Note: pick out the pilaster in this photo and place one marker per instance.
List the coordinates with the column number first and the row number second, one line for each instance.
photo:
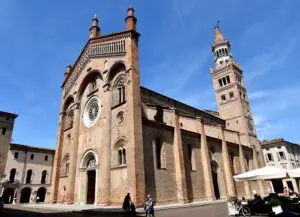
column 243, row 168
column 179, row 161
column 227, row 168
column 73, row 160
column 57, row 160
column 206, row 162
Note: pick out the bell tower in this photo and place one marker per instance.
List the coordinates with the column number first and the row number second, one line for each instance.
column 231, row 93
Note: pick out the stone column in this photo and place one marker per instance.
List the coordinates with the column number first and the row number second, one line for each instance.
column 209, row 188
column 73, row 155
column 243, row 168
column 57, row 160
column 227, row 168
column 179, row 161
column 256, row 166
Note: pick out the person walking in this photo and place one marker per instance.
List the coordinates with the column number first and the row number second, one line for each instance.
column 127, row 203
column 149, row 206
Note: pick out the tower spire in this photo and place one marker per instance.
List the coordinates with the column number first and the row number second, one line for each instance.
column 221, row 48
column 130, row 20
column 219, row 38
column 95, row 29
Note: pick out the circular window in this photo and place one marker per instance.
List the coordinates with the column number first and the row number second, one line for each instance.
column 120, row 117
column 91, row 112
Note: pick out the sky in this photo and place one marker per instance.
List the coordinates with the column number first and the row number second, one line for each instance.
column 38, row 39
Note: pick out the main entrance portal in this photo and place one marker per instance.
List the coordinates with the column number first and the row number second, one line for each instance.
column 91, row 177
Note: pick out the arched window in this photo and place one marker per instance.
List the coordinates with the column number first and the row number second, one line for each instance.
column 12, row 175
column 65, row 165
column 119, row 90
column 122, row 156
column 44, row 175
column 28, row 176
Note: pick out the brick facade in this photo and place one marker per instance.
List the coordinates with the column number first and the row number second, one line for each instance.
column 116, row 137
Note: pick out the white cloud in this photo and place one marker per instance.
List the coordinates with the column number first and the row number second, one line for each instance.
column 257, row 95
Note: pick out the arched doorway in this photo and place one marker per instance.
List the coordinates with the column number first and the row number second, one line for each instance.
column 88, row 177
column 40, row 195
column 214, row 173
column 8, row 195
column 25, row 195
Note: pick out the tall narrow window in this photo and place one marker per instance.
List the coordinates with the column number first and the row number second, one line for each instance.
column 228, row 79
column 3, row 131
column 220, row 82
column 158, row 147
column 16, row 155
column 224, row 81
column 46, row 157
column 231, row 95
column 64, row 170
column 119, row 91
column 247, row 163
column 28, row 176
column 12, row 175
column 122, row 156
column 44, row 175
column 223, row 98
column 31, row 156
column 232, row 162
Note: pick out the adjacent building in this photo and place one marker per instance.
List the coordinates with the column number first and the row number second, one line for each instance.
column 7, row 121
column 115, row 136
column 25, row 170
column 284, row 154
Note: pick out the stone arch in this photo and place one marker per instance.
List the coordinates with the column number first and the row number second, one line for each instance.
column 8, row 195
column 65, row 165
column 88, row 176
column 90, row 79
column 117, row 68
column 68, row 102
column 12, row 175
column 87, row 157
column 25, row 195
column 119, row 89
column 41, row 194
column 120, row 152
column 28, row 176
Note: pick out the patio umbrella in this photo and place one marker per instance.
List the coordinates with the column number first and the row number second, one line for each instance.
column 265, row 173
column 294, row 173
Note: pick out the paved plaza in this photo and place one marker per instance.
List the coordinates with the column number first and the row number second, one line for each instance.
column 216, row 209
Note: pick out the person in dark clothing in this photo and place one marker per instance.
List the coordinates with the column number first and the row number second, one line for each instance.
column 127, row 203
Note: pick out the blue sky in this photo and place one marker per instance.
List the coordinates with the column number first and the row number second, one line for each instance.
column 39, row 38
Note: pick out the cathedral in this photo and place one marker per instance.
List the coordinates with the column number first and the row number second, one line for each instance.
column 117, row 137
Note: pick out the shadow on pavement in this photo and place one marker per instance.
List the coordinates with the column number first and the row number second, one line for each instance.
column 9, row 212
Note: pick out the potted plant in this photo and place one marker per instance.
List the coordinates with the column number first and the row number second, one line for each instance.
column 276, row 205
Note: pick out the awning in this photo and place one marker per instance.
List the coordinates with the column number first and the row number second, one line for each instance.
column 265, row 173
column 294, row 173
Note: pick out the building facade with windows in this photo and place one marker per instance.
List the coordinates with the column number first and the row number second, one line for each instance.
column 7, row 121
column 27, row 177
column 284, row 154
column 115, row 136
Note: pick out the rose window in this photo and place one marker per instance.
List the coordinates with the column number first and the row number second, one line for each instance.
column 91, row 112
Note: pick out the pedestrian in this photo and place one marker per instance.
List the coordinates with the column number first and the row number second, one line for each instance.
column 127, row 203
column 286, row 192
column 149, row 206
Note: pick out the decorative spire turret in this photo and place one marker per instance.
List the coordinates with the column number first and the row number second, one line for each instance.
column 95, row 29
column 221, row 48
column 68, row 71
column 130, row 19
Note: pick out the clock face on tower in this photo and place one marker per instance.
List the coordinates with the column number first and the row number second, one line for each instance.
column 250, row 126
